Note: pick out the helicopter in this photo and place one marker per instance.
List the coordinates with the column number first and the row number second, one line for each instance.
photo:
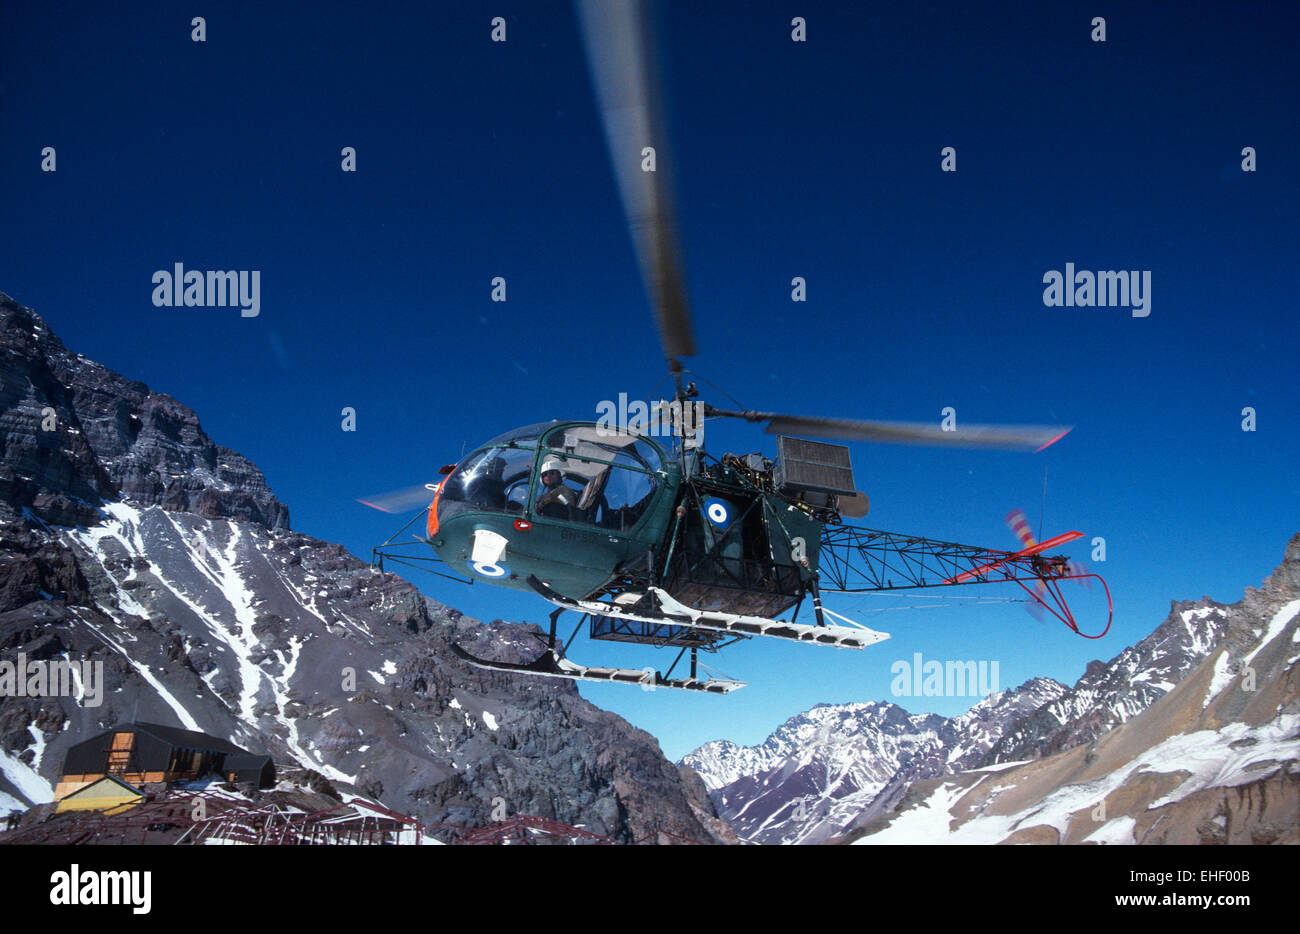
column 631, row 524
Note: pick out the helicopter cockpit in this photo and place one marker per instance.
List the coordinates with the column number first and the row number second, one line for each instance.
column 576, row 473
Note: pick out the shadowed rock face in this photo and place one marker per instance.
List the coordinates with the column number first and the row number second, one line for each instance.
column 109, row 438
column 128, row 538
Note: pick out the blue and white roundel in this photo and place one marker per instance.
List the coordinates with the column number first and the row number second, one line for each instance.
column 718, row 512
column 488, row 570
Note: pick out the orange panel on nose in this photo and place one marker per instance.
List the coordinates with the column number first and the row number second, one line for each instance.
column 432, row 525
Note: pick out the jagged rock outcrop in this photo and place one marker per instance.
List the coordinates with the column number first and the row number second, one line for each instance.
column 74, row 435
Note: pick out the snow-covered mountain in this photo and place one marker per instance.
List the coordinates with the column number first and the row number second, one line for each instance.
column 824, row 768
column 1216, row 759
column 1110, row 694
column 838, row 768
column 128, row 538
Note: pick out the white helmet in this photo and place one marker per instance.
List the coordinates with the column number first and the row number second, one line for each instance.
column 551, row 463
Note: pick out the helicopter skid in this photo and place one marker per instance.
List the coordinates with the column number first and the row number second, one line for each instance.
column 551, row 665
column 675, row 613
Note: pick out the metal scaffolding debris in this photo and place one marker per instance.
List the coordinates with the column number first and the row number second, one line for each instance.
column 224, row 818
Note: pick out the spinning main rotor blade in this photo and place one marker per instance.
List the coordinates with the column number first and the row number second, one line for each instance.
column 617, row 38
column 1013, row 437
column 402, row 500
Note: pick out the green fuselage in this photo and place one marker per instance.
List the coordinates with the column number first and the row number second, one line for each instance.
column 577, row 506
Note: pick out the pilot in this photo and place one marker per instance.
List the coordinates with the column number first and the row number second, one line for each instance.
column 555, row 499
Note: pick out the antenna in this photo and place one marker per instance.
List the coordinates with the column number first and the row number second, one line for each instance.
column 1042, row 511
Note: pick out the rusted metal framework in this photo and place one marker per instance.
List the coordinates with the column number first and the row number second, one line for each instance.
column 354, row 824
column 208, row 818
column 200, row 818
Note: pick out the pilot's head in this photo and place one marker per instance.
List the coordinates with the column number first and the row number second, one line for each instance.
column 551, row 475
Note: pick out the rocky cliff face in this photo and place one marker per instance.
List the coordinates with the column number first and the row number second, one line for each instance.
column 74, row 434
column 128, row 538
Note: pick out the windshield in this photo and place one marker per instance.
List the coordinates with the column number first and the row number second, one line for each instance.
column 587, row 476
column 494, row 479
column 593, row 476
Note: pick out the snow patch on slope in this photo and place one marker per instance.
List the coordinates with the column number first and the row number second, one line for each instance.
column 27, row 782
column 1278, row 623
column 187, row 720
column 1206, row 756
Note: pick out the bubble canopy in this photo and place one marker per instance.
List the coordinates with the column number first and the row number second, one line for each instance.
column 594, row 476
column 526, row 436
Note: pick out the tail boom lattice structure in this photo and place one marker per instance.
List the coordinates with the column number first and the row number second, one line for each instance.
column 855, row 560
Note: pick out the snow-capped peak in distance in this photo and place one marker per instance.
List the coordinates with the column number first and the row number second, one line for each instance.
column 1215, row 759
column 823, row 768
column 797, row 787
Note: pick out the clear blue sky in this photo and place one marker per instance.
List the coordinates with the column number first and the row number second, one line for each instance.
column 818, row 159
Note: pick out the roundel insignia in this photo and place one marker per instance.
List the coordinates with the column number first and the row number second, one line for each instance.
column 718, row 512
column 488, row 570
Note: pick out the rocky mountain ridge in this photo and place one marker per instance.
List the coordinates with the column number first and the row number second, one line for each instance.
column 824, row 768
column 1213, row 760
column 76, row 434
column 795, row 787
